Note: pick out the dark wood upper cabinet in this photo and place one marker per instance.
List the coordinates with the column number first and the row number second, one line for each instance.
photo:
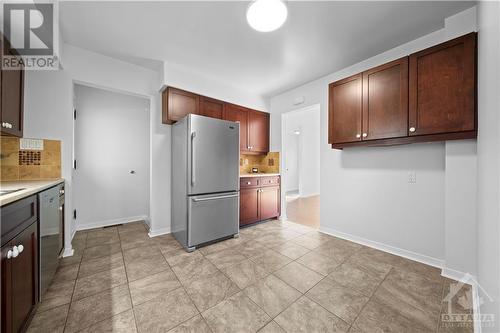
column 254, row 125
column 443, row 88
column 258, row 131
column 11, row 100
column 238, row 114
column 210, row 107
column 178, row 103
column 428, row 96
column 345, row 106
column 385, row 101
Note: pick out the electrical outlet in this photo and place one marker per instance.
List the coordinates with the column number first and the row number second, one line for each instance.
column 412, row 177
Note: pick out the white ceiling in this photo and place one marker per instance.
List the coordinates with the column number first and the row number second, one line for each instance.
column 213, row 38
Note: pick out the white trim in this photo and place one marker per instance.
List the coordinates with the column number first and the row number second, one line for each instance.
column 476, row 307
column 100, row 224
column 309, row 195
column 457, row 275
column 384, row 247
column 68, row 252
column 158, row 232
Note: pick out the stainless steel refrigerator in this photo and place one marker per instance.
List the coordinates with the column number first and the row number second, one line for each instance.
column 205, row 180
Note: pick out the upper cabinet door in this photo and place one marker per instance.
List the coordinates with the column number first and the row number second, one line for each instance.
column 442, row 88
column 385, row 101
column 258, row 131
column 238, row 114
column 345, row 110
column 11, row 101
column 178, row 103
column 211, row 107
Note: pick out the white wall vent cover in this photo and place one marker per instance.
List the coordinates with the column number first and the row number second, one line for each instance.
column 30, row 144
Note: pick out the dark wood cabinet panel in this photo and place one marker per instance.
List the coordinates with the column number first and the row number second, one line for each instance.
column 249, row 205
column 345, row 104
column 11, row 100
column 258, row 136
column 428, row 96
column 178, row 103
column 24, row 277
column 211, row 107
column 442, row 88
column 259, row 199
column 239, row 114
column 385, row 101
column 269, row 202
column 19, row 280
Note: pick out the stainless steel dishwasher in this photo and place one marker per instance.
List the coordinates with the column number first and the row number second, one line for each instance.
column 51, row 231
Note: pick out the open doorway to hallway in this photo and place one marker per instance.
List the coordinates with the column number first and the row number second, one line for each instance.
column 301, row 165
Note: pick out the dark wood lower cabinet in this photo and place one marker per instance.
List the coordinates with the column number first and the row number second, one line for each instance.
column 19, row 280
column 249, row 205
column 19, row 262
column 269, row 202
column 259, row 199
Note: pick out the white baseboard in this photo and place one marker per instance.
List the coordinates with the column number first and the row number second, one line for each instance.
column 476, row 304
column 158, row 232
column 309, row 195
column 457, row 275
column 100, row 224
column 386, row 248
column 68, row 252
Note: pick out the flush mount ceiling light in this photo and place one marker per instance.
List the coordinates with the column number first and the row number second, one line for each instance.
column 266, row 15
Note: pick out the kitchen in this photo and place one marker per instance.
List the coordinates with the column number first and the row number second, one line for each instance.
column 224, row 248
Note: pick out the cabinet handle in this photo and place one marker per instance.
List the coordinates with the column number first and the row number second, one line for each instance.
column 20, row 248
column 15, row 252
column 248, row 183
column 9, row 254
column 358, row 136
column 365, row 135
column 412, row 129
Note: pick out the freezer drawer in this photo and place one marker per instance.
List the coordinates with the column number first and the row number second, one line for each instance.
column 211, row 217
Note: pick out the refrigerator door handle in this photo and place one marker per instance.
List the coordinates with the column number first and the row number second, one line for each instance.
column 216, row 198
column 193, row 135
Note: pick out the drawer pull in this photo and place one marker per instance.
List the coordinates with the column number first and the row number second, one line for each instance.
column 20, row 248
column 9, row 254
column 249, row 183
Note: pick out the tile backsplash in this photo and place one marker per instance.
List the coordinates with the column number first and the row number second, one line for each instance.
column 23, row 164
column 269, row 163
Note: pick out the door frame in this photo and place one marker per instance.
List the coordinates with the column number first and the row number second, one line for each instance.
column 146, row 218
column 284, row 116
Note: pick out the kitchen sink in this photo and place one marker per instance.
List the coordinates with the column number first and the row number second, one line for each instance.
column 4, row 192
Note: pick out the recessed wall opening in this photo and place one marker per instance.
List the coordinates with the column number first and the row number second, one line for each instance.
column 111, row 157
column 301, row 166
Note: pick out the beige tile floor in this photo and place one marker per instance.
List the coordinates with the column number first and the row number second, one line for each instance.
column 276, row 277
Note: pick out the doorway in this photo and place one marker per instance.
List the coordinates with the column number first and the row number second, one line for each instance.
column 301, row 164
column 111, row 152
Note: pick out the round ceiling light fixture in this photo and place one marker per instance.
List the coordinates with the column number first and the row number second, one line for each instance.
column 266, row 15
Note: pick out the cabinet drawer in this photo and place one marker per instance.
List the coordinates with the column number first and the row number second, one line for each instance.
column 249, row 182
column 17, row 216
column 269, row 181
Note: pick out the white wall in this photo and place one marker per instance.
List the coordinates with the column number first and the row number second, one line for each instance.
column 365, row 194
column 111, row 138
column 48, row 114
column 308, row 122
column 184, row 78
column 488, row 150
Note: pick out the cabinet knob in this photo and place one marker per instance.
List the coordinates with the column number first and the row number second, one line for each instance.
column 248, row 183
column 412, row 129
column 9, row 254
column 15, row 252
column 365, row 135
column 20, row 248
column 358, row 136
